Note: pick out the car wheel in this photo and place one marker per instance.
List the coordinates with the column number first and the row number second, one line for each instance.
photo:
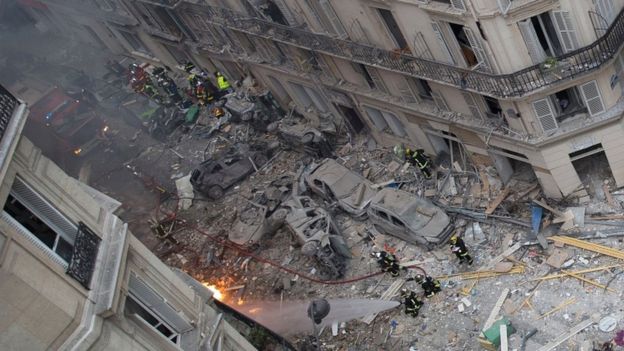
column 215, row 192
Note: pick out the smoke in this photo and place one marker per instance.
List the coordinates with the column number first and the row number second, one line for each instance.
column 290, row 317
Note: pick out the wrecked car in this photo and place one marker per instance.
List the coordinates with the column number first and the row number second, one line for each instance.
column 303, row 138
column 257, row 110
column 408, row 217
column 261, row 216
column 319, row 236
column 335, row 182
column 213, row 176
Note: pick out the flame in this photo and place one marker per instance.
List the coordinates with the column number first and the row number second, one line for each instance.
column 240, row 302
column 215, row 291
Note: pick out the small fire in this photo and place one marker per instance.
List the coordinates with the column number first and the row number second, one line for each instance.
column 215, row 291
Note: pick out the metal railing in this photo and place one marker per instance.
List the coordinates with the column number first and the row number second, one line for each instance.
column 520, row 83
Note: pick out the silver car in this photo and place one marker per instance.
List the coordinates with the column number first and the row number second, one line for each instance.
column 410, row 218
column 335, row 182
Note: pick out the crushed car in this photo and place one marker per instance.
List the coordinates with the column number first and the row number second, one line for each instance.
column 299, row 136
column 408, row 217
column 318, row 235
column 262, row 216
column 336, row 183
column 215, row 175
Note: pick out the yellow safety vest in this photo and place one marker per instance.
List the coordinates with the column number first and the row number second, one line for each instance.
column 222, row 83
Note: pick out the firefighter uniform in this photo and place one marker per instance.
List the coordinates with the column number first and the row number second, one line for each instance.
column 459, row 249
column 412, row 303
column 222, row 83
column 431, row 286
column 388, row 263
column 420, row 160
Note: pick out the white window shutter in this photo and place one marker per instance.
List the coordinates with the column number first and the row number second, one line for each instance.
column 504, row 6
column 458, row 5
column 593, row 100
column 566, row 30
column 339, row 29
column 395, row 124
column 379, row 83
column 377, row 118
column 439, row 101
column 445, row 49
column 475, row 43
column 606, row 9
column 545, row 114
column 406, row 92
column 290, row 17
column 532, row 42
column 472, row 105
column 157, row 304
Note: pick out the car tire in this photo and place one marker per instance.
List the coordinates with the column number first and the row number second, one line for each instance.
column 215, row 192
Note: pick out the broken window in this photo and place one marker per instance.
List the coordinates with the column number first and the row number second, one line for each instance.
column 470, row 46
column 397, row 222
column 423, row 88
column 372, row 77
column 549, row 34
column 393, row 28
column 493, row 107
column 383, row 215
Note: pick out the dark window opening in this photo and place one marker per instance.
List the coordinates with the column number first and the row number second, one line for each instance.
column 586, row 152
column 515, row 153
column 383, row 215
column 369, row 79
column 353, row 119
column 394, row 29
column 464, row 44
column 397, row 222
column 167, row 21
column 568, row 104
column 592, row 167
column 134, row 41
column 274, row 13
column 547, row 34
column 38, row 228
column 423, row 88
column 493, row 106
column 133, row 307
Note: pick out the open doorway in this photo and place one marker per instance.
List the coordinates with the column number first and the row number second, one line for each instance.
column 354, row 121
column 593, row 169
column 466, row 49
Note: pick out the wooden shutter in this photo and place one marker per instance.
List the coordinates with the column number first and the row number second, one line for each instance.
column 504, row 6
column 532, row 42
column 439, row 101
column 395, row 124
column 407, row 95
column 472, row 105
column 157, row 304
column 379, row 83
column 545, row 114
column 445, row 49
column 565, row 28
column 458, row 5
column 606, row 9
column 593, row 100
column 421, row 49
column 339, row 29
column 376, row 117
column 475, row 43
column 288, row 15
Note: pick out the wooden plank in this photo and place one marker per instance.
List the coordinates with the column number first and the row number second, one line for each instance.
column 605, row 250
column 502, row 256
column 589, row 281
column 497, row 307
column 582, row 271
column 554, row 211
column 386, row 295
column 565, row 336
column 486, row 184
column 481, row 274
column 497, row 201
column 564, row 304
column 607, row 193
column 503, row 337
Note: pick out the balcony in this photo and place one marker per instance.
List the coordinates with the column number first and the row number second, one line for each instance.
column 504, row 86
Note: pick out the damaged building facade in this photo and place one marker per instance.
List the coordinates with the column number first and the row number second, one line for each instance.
column 533, row 85
column 72, row 277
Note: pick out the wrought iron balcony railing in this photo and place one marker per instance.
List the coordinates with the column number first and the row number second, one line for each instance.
column 517, row 84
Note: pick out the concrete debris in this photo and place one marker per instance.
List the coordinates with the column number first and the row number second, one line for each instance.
column 185, row 192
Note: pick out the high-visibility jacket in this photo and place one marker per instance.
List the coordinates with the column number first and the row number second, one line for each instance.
column 222, row 83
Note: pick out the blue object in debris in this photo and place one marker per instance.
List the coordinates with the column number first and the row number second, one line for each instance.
column 393, row 185
column 536, row 218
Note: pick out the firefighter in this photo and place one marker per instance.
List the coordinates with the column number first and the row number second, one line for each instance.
column 430, row 286
column 412, row 302
column 420, row 160
column 388, row 262
column 188, row 67
column 222, row 83
column 459, row 249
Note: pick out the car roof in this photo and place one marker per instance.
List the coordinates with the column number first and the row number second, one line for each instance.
column 339, row 178
column 413, row 210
